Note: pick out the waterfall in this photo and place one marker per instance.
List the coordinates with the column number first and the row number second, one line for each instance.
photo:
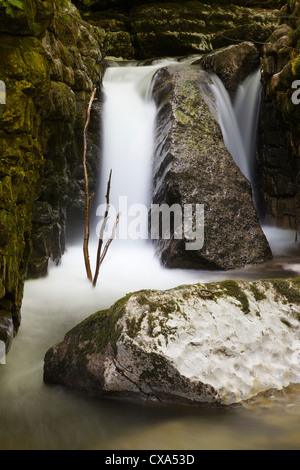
column 35, row 416
column 128, row 134
column 128, row 127
column 239, row 120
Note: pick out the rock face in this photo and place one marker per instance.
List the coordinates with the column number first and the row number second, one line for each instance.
column 73, row 54
column 193, row 166
column 49, row 66
column 232, row 63
column 143, row 29
column 213, row 343
column 279, row 129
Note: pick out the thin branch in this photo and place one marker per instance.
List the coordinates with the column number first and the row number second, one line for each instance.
column 87, row 196
column 101, row 234
column 100, row 257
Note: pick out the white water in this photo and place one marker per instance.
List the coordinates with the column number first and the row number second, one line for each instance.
column 239, row 120
column 35, row 416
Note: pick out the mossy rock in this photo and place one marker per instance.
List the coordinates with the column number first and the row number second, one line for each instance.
column 60, row 104
column 203, row 350
column 27, row 17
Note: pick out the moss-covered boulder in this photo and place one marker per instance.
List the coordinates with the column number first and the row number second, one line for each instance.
column 72, row 49
column 218, row 343
column 279, row 129
column 192, row 166
column 25, row 73
column 49, row 65
column 154, row 29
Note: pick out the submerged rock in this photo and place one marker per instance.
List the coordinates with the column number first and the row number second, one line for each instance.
column 193, row 166
column 218, row 343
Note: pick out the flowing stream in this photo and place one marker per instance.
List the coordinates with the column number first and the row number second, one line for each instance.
column 239, row 120
column 36, row 416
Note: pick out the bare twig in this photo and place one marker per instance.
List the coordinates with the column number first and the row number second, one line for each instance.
column 101, row 234
column 107, row 245
column 87, row 196
column 113, row 234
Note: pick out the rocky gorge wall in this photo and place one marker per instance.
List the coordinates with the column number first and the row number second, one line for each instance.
column 141, row 29
column 50, row 62
column 279, row 130
column 51, row 58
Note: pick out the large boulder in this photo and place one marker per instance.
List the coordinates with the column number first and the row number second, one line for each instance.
column 193, row 166
column 232, row 63
column 213, row 343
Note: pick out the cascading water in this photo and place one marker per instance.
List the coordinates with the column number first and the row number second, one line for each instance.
column 128, row 136
column 35, row 416
column 239, row 120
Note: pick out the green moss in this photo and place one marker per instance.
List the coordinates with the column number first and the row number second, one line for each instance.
column 215, row 288
column 98, row 330
column 151, row 325
column 165, row 307
column 232, row 289
column 286, row 289
column 258, row 295
column 11, row 5
column 159, row 367
column 134, row 326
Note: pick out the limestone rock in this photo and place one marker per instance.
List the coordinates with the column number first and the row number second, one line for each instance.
column 142, row 30
column 218, row 343
column 232, row 64
column 193, row 166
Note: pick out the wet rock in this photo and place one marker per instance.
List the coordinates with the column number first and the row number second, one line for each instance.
column 182, row 345
column 44, row 49
column 7, row 331
column 232, row 64
column 193, row 166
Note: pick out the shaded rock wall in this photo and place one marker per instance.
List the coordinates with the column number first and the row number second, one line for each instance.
column 142, row 30
column 73, row 55
column 50, row 61
column 279, row 130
